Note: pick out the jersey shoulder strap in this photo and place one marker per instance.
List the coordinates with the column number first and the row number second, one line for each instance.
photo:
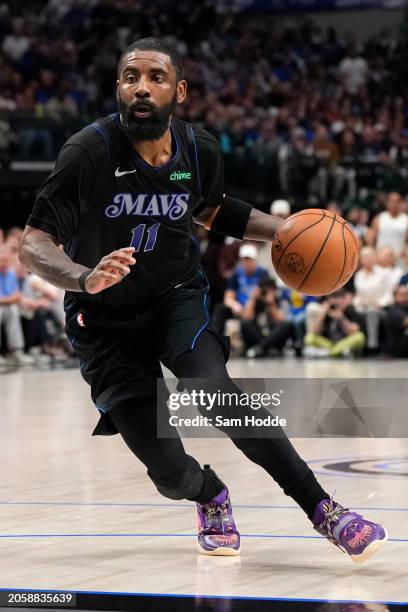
column 103, row 127
column 193, row 154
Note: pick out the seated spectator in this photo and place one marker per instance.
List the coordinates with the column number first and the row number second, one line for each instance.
column 264, row 328
column 9, row 312
column 296, row 304
column 396, row 323
column 387, row 261
column 370, row 291
column 240, row 286
column 336, row 330
column 371, row 294
column 11, row 242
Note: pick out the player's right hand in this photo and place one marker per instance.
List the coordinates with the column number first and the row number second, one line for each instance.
column 110, row 270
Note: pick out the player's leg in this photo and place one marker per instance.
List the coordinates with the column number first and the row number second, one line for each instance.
column 122, row 370
column 357, row 536
column 177, row 475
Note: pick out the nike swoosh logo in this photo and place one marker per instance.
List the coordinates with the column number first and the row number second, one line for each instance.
column 119, row 173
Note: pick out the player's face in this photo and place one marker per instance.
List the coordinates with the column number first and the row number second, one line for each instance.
column 147, row 93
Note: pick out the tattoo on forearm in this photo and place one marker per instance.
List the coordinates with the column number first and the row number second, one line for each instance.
column 45, row 259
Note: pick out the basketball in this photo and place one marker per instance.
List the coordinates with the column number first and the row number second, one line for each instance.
column 315, row 251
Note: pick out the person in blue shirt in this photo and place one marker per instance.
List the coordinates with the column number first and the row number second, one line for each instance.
column 296, row 304
column 240, row 286
column 9, row 311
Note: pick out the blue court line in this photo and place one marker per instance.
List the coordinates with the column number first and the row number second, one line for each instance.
column 165, row 535
column 177, row 505
column 198, row 596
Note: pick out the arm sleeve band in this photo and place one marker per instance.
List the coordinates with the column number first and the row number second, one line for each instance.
column 232, row 218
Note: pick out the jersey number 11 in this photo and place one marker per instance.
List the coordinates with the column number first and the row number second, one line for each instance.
column 137, row 237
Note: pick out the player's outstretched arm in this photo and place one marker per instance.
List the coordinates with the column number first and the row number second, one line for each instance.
column 240, row 220
column 40, row 253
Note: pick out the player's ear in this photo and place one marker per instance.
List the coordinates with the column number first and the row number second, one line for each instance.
column 181, row 91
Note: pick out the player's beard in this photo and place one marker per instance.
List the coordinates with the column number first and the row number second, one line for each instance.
column 146, row 128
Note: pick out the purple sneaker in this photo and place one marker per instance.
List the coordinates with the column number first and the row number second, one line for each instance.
column 352, row 533
column 217, row 532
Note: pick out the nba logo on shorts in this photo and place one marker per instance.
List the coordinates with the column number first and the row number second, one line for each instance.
column 80, row 320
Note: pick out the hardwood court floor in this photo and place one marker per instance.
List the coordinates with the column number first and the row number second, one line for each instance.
column 79, row 513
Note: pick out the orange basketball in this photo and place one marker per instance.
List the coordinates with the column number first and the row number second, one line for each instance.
column 315, row 251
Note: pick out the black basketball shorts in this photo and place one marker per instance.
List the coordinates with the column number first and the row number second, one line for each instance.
column 122, row 360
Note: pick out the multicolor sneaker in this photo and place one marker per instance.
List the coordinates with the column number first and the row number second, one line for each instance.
column 217, row 532
column 352, row 533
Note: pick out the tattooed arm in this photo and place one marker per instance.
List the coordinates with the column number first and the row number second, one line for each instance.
column 40, row 253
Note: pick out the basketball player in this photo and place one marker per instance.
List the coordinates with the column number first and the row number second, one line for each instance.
column 140, row 177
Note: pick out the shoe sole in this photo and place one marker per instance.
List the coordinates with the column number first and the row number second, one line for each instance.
column 370, row 550
column 219, row 552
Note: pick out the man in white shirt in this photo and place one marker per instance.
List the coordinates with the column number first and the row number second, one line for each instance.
column 353, row 72
column 390, row 228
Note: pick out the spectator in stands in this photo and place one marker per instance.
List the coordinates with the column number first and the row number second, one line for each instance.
column 9, row 312
column 358, row 218
column 295, row 305
column 387, row 261
column 17, row 42
column 297, row 166
column 62, row 106
column 337, row 329
column 371, row 158
column 369, row 282
column 11, row 242
column 264, row 328
column 353, row 71
column 396, row 323
column 327, row 154
column 390, row 228
column 240, row 286
column 345, row 172
column 371, row 295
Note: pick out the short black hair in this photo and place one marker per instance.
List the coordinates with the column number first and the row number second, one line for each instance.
column 267, row 283
column 156, row 44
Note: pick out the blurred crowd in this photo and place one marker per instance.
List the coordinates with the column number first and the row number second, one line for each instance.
column 324, row 115
column 317, row 118
column 31, row 313
column 264, row 318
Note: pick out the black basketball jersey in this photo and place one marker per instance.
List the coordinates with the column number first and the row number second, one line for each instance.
column 102, row 196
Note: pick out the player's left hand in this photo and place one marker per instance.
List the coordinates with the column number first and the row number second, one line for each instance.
column 110, row 270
